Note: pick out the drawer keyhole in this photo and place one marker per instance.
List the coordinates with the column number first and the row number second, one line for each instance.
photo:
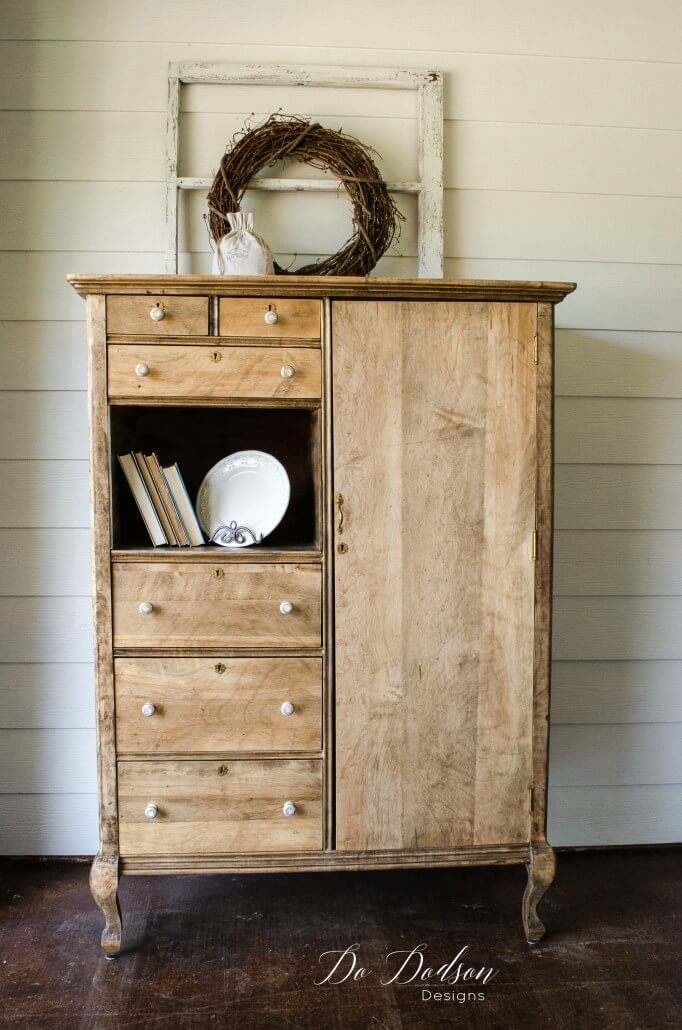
column 216, row 355
column 218, row 573
column 222, row 770
column 219, row 668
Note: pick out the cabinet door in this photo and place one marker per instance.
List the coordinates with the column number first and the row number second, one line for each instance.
column 434, row 457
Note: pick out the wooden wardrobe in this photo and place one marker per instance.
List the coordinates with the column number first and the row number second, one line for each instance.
column 394, row 712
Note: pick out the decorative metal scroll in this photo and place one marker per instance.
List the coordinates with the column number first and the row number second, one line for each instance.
column 232, row 533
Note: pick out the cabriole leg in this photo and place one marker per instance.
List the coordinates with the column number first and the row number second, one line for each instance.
column 541, row 867
column 104, row 889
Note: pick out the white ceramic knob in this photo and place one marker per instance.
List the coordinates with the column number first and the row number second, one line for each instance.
column 289, row 808
column 288, row 372
column 286, row 607
column 151, row 811
column 156, row 313
column 146, row 608
column 148, row 709
column 142, row 370
column 287, row 708
column 271, row 317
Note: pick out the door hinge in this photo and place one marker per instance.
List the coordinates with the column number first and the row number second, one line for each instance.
column 535, row 349
column 534, row 546
column 530, row 799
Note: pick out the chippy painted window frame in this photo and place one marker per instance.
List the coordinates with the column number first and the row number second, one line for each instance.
column 428, row 189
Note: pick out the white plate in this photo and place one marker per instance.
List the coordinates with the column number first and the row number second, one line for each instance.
column 249, row 488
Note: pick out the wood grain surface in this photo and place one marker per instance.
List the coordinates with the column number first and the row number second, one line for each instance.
column 220, row 806
column 213, row 372
column 183, row 316
column 213, row 606
column 434, row 597
column 208, row 704
column 245, row 316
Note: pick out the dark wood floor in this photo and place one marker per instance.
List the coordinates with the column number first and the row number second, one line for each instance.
column 244, row 951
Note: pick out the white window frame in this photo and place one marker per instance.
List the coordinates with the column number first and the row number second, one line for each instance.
column 428, row 189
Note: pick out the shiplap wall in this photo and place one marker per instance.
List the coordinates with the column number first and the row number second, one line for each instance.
column 563, row 161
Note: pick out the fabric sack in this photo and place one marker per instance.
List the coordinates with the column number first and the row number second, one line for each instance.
column 240, row 251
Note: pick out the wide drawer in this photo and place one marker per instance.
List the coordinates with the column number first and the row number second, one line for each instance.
column 215, row 807
column 139, row 316
column 270, row 317
column 173, row 705
column 216, row 606
column 156, row 370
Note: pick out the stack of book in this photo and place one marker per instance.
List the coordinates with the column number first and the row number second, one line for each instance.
column 163, row 501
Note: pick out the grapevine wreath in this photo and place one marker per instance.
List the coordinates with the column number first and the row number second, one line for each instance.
column 289, row 137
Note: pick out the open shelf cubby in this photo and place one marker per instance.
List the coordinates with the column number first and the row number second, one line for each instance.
column 197, row 438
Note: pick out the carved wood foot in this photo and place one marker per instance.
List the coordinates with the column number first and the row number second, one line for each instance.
column 541, row 867
column 104, row 888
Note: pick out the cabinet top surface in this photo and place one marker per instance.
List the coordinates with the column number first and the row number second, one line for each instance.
column 348, row 287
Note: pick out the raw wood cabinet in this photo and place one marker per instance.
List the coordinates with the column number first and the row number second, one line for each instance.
column 394, row 714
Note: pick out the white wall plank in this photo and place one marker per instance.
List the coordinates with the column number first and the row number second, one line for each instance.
column 617, row 562
column 623, row 30
column 43, row 424
column 591, row 363
column 607, row 628
column 43, row 356
column 44, row 562
column 593, row 816
column 83, row 145
column 45, row 629
column 616, row 755
column 492, row 87
column 562, row 226
column 48, row 824
column 48, row 696
column 617, row 430
column 44, row 493
column 616, row 692
column 487, row 155
column 48, row 761
column 480, row 224
column 496, row 155
column 618, row 497
column 81, row 216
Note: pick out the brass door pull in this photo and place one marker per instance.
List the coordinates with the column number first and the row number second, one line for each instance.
column 339, row 508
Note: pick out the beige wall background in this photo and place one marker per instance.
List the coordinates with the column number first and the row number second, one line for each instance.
column 563, row 161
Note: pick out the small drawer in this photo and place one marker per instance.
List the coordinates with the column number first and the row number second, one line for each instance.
column 157, row 316
column 219, row 807
column 187, row 604
column 174, row 705
column 272, row 318
column 155, row 370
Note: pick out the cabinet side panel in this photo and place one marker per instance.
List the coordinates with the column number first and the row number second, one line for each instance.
column 543, row 570
column 410, row 404
column 503, row 739
column 101, row 569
